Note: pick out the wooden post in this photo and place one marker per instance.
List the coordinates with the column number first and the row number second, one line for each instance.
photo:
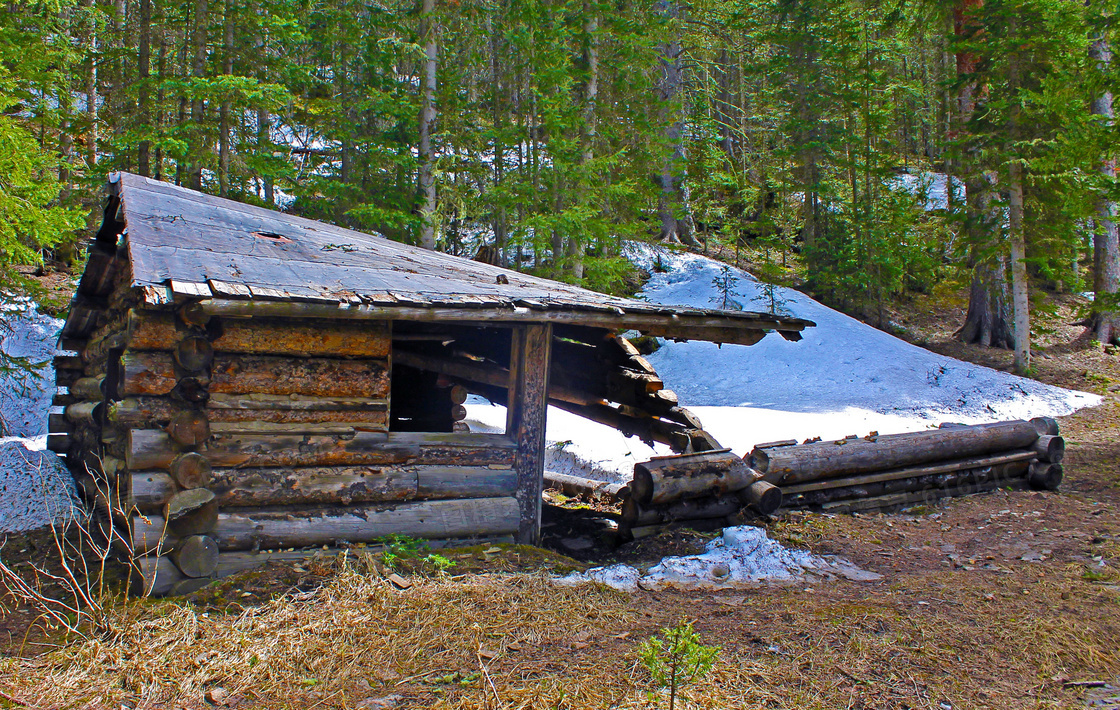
column 530, row 355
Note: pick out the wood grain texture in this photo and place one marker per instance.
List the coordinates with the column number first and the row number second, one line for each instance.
column 530, row 363
column 263, row 529
column 152, row 330
column 153, row 449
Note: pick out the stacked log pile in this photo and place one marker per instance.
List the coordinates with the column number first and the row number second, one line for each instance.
column 848, row 475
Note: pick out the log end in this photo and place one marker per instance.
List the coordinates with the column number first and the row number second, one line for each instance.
column 1044, row 476
column 1045, row 426
column 764, row 497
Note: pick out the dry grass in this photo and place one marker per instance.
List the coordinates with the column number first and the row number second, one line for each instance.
column 976, row 639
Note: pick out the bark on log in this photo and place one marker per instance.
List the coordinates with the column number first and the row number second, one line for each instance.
column 577, row 486
column 827, row 459
column 762, row 497
column 635, row 515
column 295, row 337
column 1045, row 476
column 153, row 449
column 959, row 480
column 899, row 501
column 265, row 487
column 155, row 412
column 910, row 472
column 1049, row 448
column 196, row 556
column 84, row 413
column 263, row 529
column 154, row 373
column 666, row 479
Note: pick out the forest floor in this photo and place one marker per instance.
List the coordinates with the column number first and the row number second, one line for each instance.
column 1003, row 600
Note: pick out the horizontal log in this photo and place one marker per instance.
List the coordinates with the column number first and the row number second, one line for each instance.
column 296, row 423
column 153, row 449
column 577, row 486
column 262, row 529
column 163, row 578
column 268, row 487
column 666, row 479
column 194, row 354
column 636, row 515
column 826, row 459
column 910, row 472
column 84, row 413
column 743, row 328
column 898, row 501
column 88, row 388
column 1003, row 472
column 196, row 556
column 157, row 412
column 300, row 337
column 762, row 496
column 1050, row 448
column 1045, row 476
column 154, row 373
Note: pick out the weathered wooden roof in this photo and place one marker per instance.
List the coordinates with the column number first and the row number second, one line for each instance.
column 238, row 259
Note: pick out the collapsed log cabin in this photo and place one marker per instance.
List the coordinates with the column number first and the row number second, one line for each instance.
column 245, row 380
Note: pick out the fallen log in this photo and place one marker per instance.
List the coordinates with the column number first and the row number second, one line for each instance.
column 899, row 501
column 262, row 529
column 1008, row 473
column 910, row 472
column 577, row 486
column 827, row 459
column 669, row 478
column 1045, row 476
column 1050, row 448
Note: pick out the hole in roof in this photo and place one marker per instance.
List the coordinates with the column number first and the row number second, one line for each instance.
column 271, row 236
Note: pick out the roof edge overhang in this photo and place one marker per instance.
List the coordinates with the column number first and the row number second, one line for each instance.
column 747, row 329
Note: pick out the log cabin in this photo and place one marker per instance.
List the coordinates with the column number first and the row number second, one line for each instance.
column 244, row 380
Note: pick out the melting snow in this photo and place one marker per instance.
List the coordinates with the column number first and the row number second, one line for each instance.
column 844, row 377
column 743, row 556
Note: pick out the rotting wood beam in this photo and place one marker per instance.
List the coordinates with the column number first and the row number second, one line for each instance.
column 741, row 328
column 530, row 363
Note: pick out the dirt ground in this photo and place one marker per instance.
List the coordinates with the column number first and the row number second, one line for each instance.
column 1002, row 600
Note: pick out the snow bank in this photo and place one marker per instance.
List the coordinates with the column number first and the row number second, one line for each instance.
column 36, row 489
column 744, row 556
column 844, row 377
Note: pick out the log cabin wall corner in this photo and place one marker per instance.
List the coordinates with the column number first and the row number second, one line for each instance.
column 246, row 383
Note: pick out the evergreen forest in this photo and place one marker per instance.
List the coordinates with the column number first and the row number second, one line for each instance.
column 544, row 135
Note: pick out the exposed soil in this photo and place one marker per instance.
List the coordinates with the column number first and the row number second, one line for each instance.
column 1002, row 600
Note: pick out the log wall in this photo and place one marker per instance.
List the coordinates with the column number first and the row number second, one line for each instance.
column 213, row 437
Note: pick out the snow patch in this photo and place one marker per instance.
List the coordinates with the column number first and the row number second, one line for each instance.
column 36, row 488
column 744, row 556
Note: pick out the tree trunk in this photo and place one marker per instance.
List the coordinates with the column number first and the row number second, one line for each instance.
column 576, row 246
column 1019, row 297
column 1105, row 320
column 673, row 206
column 224, row 111
column 91, row 84
column 198, row 106
column 144, row 56
column 986, row 322
column 427, row 121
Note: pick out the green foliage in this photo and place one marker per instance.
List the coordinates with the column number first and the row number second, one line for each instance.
column 677, row 658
